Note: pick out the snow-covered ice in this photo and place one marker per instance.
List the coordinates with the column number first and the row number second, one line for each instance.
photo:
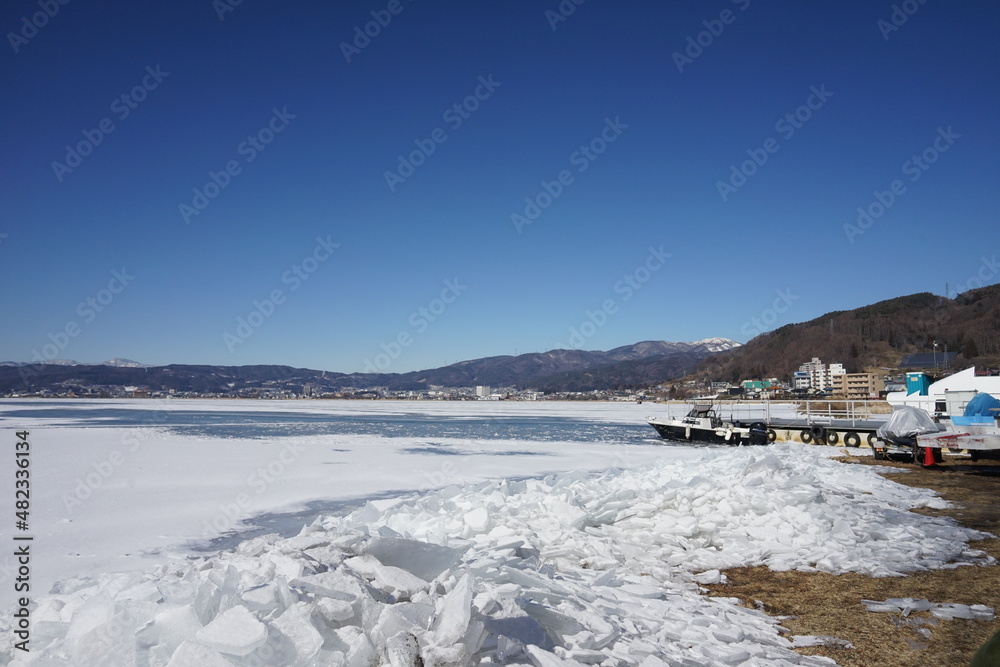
column 946, row 611
column 579, row 553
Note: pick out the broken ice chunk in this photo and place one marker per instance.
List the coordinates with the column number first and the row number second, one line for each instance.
column 652, row 661
column 982, row 612
column 876, row 606
column 334, row 611
column 586, row 656
column 419, row 614
column 605, row 578
column 337, row 584
column 45, row 632
column 556, row 623
column 725, row 655
column 392, row 580
column 178, row 590
column 146, row 591
column 361, row 653
column 478, row 519
column 643, row 591
column 261, row 598
column 190, row 654
column 296, row 626
column 909, row 605
column 235, row 631
column 306, row 540
column 710, row 577
column 507, row 648
column 390, row 623
column 947, row 612
column 402, row 650
column 728, row 634
column 168, row 630
column 206, row 601
column 566, row 514
column 802, row 641
column 423, row 559
column 284, row 566
column 456, row 611
column 523, row 629
column 92, row 614
column 542, row 658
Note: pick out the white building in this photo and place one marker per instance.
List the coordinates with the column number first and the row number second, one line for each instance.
column 483, row 391
column 955, row 390
column 800, row 380
column 820, row 376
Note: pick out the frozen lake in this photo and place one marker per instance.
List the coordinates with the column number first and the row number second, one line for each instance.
column 372, row 532
column 119, row 485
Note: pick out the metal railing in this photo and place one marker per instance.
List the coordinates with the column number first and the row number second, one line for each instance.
column 812, row 410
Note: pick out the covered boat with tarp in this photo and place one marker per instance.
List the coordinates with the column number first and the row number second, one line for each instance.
column 900, row 431
column 981, row 409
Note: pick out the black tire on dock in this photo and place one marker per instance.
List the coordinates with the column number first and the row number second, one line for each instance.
column 852, row 439
column 817, row 435
column 806, row 436
column 771, row 435
column 832, row 438
column 871, row 440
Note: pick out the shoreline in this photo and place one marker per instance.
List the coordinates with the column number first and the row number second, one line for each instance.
column 830, row 605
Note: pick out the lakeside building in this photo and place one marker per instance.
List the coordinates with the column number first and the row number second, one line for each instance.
column 947, row 395
column 800, row 380
column 819, row 375
column 857, row 385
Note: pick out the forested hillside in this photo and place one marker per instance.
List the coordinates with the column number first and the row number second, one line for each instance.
column 879, row 335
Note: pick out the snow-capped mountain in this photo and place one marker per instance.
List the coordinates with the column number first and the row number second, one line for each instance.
column 716, row 344
column 118, row 362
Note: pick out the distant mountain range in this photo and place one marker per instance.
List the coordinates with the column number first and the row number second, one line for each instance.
column 875, row 336
column 116, row 362
column 566, row 370
column 638, row 365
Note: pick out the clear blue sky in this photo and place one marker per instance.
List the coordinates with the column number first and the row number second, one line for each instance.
column 267, row 92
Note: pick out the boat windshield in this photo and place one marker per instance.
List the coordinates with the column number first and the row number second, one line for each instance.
column 701, row 412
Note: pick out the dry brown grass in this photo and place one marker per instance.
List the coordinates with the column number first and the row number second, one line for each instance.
column 824, row 604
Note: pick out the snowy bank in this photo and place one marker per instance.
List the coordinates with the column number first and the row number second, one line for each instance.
column 575, row 568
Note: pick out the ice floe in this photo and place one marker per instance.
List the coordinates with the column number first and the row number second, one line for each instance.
column 570, row 569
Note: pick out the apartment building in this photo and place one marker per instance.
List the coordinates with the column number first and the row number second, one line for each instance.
column 858, row 385
column 819, row 375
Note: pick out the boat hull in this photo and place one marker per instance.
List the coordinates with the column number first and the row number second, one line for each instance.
column 689, row 433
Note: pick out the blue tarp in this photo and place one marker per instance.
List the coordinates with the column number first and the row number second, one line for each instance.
column 982, row 404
